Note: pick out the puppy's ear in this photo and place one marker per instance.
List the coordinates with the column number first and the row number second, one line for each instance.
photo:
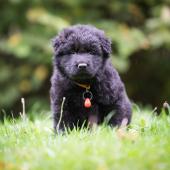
column 59, row 40
column 106, row 45
column 56, row 42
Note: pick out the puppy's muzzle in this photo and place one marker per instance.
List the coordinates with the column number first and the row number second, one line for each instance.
column 82, row 65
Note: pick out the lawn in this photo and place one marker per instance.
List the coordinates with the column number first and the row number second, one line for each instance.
column 31, row 145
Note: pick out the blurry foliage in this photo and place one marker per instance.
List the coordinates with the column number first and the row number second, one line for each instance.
column 148, row 76
column 27, row 27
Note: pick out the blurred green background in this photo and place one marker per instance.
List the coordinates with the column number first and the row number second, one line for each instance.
column 140, row 34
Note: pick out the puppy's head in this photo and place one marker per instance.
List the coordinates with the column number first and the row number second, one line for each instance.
column 80, row 51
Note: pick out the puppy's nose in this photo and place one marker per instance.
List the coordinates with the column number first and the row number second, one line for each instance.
column 82, row 65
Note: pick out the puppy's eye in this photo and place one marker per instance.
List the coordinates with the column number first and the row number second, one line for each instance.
column 64, row 53
column 60, row 53
column 94, row 52
column 70, row 52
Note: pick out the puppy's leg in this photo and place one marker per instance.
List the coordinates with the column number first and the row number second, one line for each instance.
column 123, row 112
column 93, row 117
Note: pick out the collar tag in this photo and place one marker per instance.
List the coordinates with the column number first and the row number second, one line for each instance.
column 87, row 94
column 87, row 103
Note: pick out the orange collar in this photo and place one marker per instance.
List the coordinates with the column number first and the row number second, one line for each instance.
column 86, row 86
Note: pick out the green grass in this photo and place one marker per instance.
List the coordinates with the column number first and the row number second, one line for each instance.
column 31, row 145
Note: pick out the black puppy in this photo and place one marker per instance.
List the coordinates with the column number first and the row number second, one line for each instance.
column 84, row 75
